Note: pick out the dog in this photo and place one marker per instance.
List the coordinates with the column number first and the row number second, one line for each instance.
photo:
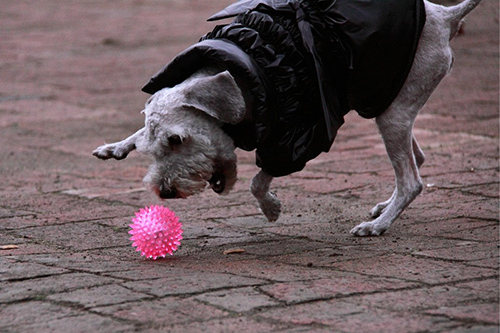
column 184, row 134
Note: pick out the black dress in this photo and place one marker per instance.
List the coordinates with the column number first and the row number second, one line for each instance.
column 307, row 63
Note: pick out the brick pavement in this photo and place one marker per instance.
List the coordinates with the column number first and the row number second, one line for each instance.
column 71, row 74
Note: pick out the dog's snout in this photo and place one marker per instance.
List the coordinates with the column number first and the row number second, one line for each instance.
column 167, row 192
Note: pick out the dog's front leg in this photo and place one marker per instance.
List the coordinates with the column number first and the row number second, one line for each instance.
column 118, row 150
column 268, row 202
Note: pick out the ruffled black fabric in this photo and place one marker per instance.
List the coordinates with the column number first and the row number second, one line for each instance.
column 307, row 63
column 292, row 129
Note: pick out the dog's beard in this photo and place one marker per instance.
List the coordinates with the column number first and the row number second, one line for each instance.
column 177, row 189
column 220, row 177
column 168, row 183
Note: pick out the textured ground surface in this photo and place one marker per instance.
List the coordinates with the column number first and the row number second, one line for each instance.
column 71, row 73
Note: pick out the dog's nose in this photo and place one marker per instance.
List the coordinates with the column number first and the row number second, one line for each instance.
column 167, row 192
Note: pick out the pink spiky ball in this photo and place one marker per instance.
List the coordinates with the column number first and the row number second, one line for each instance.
column 156, row 231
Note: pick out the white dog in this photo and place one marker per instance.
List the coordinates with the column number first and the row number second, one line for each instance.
column 184, row 133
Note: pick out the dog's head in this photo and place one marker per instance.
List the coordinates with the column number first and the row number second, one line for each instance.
column 184, row 138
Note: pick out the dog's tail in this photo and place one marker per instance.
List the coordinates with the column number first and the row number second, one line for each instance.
column 457, row 13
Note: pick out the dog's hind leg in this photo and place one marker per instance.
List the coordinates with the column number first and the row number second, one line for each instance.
column 268, row 202
column 118, row 150
column 399, row 142
column 419, row 158
column 432, row 62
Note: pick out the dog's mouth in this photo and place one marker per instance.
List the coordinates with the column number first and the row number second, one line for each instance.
column 218, row 182
column 168, row 193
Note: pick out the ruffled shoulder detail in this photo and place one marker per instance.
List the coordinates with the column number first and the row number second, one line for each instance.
column 290, row 130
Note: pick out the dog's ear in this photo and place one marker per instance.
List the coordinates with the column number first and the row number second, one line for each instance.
column 219, row 96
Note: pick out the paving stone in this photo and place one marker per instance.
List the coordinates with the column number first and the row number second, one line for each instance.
column 83, row 323
column 467, row 251
column 336, row 183
column 86, row 261
column 60, row 209
column 488, row 233
column 29, row 313
column 150, row 270
column 98, row 296
column 238, row 324
column 346, row 317
column 446, row 227
column 482, row 209
column 414, row 300
column 162, row 312
column 413, row 269
column 238, row 299
column 40, row 288
column 486, row 289
column 11, row 270
column 342, row 247
column 467, row 328
column 24, row 246
column 276, row 246
column 399, row 242
column 9, row 213
column 188, row 284
column 486, row 313
column 268, row 270
column 65, row 237
column 338, row 285
column 327, row 256
column 488, row 262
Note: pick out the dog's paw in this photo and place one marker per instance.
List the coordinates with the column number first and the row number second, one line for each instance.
column 367, row 229
column 112, row 150
column 270, row 207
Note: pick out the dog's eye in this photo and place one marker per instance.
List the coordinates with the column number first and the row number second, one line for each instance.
column 174, row 140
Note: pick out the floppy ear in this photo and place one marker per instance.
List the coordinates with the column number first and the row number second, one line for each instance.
column 219, row 96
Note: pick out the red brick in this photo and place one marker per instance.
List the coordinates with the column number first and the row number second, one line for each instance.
column 485, row 313
column 416, row 300
column 11, row 270
column 413, row 269
column 99, row 296
column 483, row 289
column 238, row 299
column 466, row 251
column 347, row 317
column 236, row 324
column 337, row 285
column 87, row 322
column 165, row 311
column 15, row 315
column 43, row 286
column 188, row 283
